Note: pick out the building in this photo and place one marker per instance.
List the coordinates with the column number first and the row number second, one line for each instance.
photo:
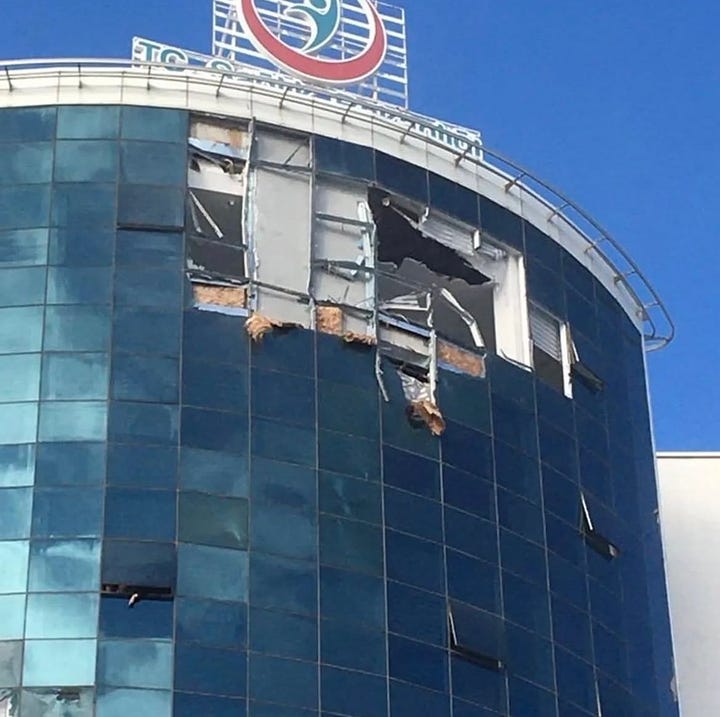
column 688, row 483
column 308, row 406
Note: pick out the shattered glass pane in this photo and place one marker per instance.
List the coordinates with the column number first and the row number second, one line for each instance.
column 215, row 216
column 9, row 703
column 56, row 702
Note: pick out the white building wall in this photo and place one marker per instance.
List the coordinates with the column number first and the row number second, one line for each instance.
column 689, row 494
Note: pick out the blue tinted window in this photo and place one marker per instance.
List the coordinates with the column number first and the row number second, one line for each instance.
column 203, row 669
column 24, row 206
column 140, row 663
column 218, row 573
column 340, row 362
column 455, row 200
column 88, row 122
column 350, row 498
column 213, row 472
column 151, row 287
column 417, row 614
column 29, row 125
column 471, row 535
column 14, row 559
column 120, row 701
column 73, row 421
column 467, row 492
column 416, row 562
column 17, row 466
column 67, row 376
column 145, row 206
column 142, row 564
column 529, row 656
column 411, row 514
column 517, row 472
column 352, row 545
column 277, row 633
column 81, row 246
column 149, row 249
column 514, row 426
column 18, row 423
column 16, row 505
column 473, row 581
column 64, row 565
column 152, row 163
column 77, row 328
column 23, row 247
column 19, row 378
column 213, row 385
column 211, row 520
column 59, row 662
column 146, row 466
column 213, row 430
column 10, row 661
column 283, row 397
column 523, row 558
column 140, row 514
column 145, row 378
column 417, row 663
column 528, row 699
column 410, row 700
column 283, row 584
column 149, row 618
column 411, row 472
column 575, row 680
column 483, row 687
column 352, row 646
column 194, row 705
column 283, row 442
column 59, row 512
column 85, row 161
column 143, row 423
column 571, row 629
column 353, row 693
column 349, row 454
column 12, row 617
column 21, row 287
column 501, row 223
column 26, row 163
column 79, row 285
column 70, row 463
column 352, row 597
column 156, row 124
column 54, row 615
column 284, row 681
column 402, row 177
column 521, row 516
column 526, row 604
column 146, row 330
column 347, row 409
column 468, row 450
column 215, row 337
column 337, row 157
column 83, row 205
column 218, row 624
column 21, row 329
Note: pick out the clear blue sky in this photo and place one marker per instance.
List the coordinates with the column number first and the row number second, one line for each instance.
column 616, row 102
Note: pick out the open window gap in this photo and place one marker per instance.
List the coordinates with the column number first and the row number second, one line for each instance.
column 598, row 542
column 136, row 593
column 476, row 636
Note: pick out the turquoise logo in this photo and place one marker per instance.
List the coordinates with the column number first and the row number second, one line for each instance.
column 323, row 18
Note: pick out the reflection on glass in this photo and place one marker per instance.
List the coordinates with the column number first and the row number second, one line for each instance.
column 17, row 466
column 149, row 618
column 14, row 564
column 77, row 328
column 81, row 246
column 73, row 421
column 57, row 565
column 73, row 376
column 78, row 285
column 12, row 617
column 113, row 702
column 10, row 659
column 86, row 161
column 75, row 512
column 145, row 378
column 59, row 702
column 76, row 122
column 148, row 564
column 143, row 423
column 152, row 163
column 24, row 206
column 23, row 247
column 78, row 205
column 70, row 463
column 59, row 662
column 146, row 330
column 141, row 663
column 217, row 573
column 15, row 513
column 27, row 124
column 160, row 125
column 19, row 378
column 23, row 286
column 54, row 615
column 21, row 329
column 210, row 520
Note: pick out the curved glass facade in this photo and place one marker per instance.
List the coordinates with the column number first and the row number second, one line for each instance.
column 193, row 523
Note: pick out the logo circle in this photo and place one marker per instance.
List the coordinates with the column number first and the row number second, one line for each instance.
column 337, row 72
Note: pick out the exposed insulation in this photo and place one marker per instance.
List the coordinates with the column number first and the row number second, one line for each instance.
column 257, row 326
column 217, row 132
column 353, row 338
column 429, row 414
column 329, row 320
column 462, row 360
column 235, row 296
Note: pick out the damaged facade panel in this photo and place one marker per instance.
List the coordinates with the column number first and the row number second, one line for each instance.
column 279, row 149
column 460, row 360
column 220, row 137
column 234, row 297
column 420, row 396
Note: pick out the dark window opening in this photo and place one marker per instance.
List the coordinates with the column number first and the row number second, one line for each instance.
column 548, row 336
column 477, row 636
column 133, row 594
column 419, row 276
column 586, row 376
column 598, row 542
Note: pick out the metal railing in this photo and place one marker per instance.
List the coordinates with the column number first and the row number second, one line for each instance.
column 659, row 327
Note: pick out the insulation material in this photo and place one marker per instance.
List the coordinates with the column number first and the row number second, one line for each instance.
column 283, row 149
column 294, row 309
column 281, row 229
column 462, row 360
column 350, row 337
column 220, row 137
column 421, row 406
column 231, row 296
column 257, row 326
column 329, row 320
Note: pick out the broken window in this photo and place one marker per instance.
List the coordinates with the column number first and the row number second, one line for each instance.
column 477, row 636
column 581, row 372
column 214, row 209
column 598, row 542
column 56, row 702
column 551, row 349
column 436, row 273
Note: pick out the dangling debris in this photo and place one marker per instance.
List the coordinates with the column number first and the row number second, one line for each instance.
column 429, row 414
column 257, row 326
column 329, row 320
column 350, row 337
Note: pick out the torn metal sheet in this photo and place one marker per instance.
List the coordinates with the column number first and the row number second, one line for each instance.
column 223, row 176
column 225, row 136
column 286, row 150
column 219, row 149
